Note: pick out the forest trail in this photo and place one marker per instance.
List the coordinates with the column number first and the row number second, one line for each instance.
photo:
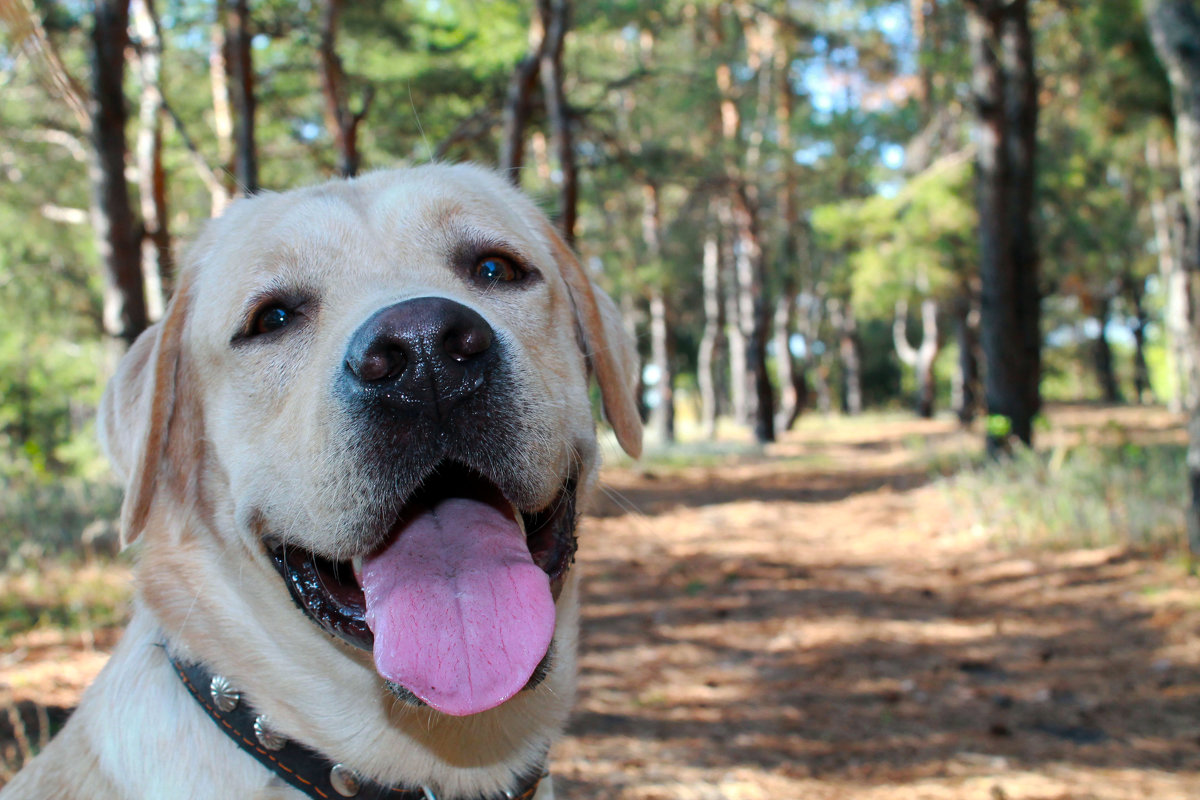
column 815, row 623
column 820, row 626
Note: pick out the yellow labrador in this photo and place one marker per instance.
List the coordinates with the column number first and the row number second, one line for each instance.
column 354, row 449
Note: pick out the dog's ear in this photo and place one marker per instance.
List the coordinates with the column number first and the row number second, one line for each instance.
column 608, row 349
column 135, row 413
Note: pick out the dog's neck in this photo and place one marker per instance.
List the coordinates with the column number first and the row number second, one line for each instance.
column 295, row 764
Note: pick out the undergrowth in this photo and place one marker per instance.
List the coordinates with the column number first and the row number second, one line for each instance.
column 1084, row 496
column 68, row 519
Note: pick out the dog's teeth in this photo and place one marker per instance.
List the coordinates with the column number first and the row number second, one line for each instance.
column 356, row 562
column 520, row 521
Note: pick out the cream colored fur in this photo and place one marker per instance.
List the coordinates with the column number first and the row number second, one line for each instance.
column 217, row 442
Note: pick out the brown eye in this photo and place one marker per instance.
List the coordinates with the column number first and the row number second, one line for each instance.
column 271, row 319
column 495, row 269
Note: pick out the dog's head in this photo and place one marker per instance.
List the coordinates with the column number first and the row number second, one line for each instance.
column 379, row 387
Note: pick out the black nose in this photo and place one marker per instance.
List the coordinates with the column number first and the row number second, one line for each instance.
column 427, row 354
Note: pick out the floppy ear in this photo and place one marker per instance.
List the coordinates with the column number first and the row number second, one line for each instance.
column 135, row 413
column 608, row 349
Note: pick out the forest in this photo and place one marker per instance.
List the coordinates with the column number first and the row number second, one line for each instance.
column 938, row 257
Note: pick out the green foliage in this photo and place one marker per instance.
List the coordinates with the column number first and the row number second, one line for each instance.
column 916, row 242
column 1086, row 496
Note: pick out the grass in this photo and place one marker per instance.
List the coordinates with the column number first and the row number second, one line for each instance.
column 66, row 599
column 1093, row 495
column 58, row 541
column 66, row 518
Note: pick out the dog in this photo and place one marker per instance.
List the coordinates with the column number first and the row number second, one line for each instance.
column 353, row 449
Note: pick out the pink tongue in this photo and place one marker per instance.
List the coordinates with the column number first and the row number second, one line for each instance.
column 461, row 614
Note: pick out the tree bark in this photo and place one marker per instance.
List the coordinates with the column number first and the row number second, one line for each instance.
column 712, row 337
column 1135, row 292
column 241, row 73
column 219, row 70
column 518, row 105
column 1005, row 91
column 551, row 70
column 966, row 378
column 920, row 358
column 1170, row 227
column 1106, row 375
column 662, row 416
column 1175, row 30
column 118, row 232
column 841, row 314
column 739, row 384
column 785, row 362
column 339, row 119
column 792, row 388
column 753, row 316
column 157, row 266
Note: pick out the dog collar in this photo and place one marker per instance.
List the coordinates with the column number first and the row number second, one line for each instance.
column 296, row 764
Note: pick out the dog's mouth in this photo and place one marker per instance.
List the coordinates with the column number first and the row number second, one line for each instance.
column 457, row 603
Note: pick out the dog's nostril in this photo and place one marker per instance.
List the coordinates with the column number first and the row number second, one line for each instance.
column 461, row 345
column 378, row 366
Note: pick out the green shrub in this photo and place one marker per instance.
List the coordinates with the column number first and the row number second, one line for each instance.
column 1085, row 496
column 69, row 516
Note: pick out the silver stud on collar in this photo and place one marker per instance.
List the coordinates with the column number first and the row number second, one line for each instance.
column 268, row 738
column 344, row 780
column 510, row 794
column 224, row 696
column 429, row 793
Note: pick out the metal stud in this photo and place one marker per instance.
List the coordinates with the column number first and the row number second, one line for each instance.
column 429, row 793
column 268, row 738
column 344, row 780
column 510, row 794
column 224, row 696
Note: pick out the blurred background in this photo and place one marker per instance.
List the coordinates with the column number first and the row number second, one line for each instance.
column 914, row 288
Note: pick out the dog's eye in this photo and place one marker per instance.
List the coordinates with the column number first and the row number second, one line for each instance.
column 271, row 319
column 495, row 269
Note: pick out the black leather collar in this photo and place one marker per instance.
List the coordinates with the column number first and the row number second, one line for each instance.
column 297, row 765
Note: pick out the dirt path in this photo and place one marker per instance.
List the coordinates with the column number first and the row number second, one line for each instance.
column 764, row 632
column 815, row 625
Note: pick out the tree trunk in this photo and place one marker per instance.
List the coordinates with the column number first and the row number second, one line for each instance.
column 821, row 379
column 791, row 379
column 518, row 105
column 1135, row 291
column 1170, row 228
column 753, row 317
column 1005, row 91
column 921, row 358
column 1175, row 30
column 785, row 362
column 925, row 57
column 339, row 119
column 1106, row 376
column 157, row 267
column 841, row 314
column 118, row 233
column 712, row 338
column 739, row 384
column 241, row 74
column 662, row 416
column 551, row 69
column 219, row 70
column 966, row 377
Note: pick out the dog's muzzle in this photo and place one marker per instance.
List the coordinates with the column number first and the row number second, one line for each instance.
column 454, row 584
